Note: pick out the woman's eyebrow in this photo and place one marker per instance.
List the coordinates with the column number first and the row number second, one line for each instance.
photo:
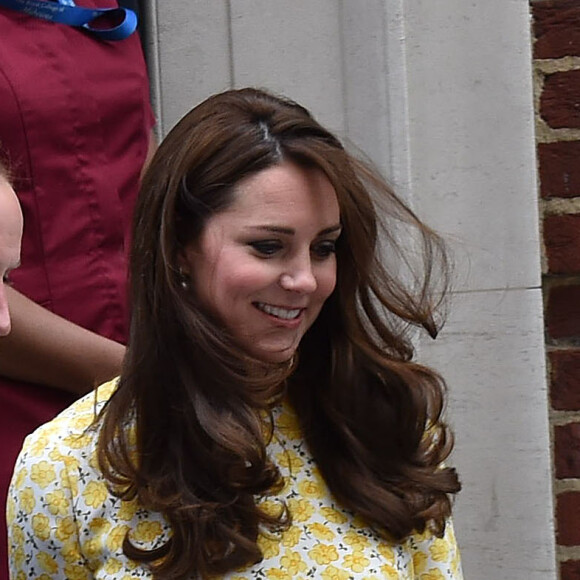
column 291, row 231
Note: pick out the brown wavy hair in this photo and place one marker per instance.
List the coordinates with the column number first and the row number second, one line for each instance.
column 371, row 416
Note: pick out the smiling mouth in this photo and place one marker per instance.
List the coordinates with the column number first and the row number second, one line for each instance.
column 282, row 313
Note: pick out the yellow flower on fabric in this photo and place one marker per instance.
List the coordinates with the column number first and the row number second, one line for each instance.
column 308, row 488
column 42, row 473
column 333, row 515
column 439, row 550
column 58, row 503
column 419, row 562
column 321, row 531
column 76, row 572
column 386, row 552
column 95, row 494
column 10, row 509
column 72, row 479
column 112, row 566
column 70, row 552
column 38, row 446
column 355, row 540
column 389, row 573
column 17, row 535
column 27, row 500
column 81, row 421
column 271, row 508
column 290, row 460
column 288, row 424
column 92, row 547
column 22, row 576
column 323, row 554
column 146, row 532
column 333, row 573
column 115, row 539
column 65, row 528
column 127, row 510
column 17, row 556
column 359, row 522
column 433, row 574
column 301, row 509
column 20, row 478
column 292, row 563
column 71, row 463
column 269, row 547
column 277, row 574
column 291, row 536
column 99, row 525
column 77, row 441
column 356, row 561
column 41, row 526
column 47, row 562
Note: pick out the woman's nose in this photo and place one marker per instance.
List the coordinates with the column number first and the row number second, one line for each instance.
column 4, row 314
column 299, row 277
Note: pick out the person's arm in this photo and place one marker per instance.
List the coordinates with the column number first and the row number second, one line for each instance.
column 47, row 349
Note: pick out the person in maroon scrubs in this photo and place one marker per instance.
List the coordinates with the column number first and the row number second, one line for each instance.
column 76, row 129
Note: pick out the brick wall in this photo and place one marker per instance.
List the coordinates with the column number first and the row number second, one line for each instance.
column 556, row 30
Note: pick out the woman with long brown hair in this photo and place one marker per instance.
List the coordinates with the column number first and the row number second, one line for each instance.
column 269, row 421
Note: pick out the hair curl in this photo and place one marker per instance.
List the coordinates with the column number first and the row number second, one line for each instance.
column 371, row 417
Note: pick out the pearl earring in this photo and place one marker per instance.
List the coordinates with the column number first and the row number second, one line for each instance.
column 183, row 279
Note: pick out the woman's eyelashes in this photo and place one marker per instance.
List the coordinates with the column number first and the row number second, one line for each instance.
column 267, row 248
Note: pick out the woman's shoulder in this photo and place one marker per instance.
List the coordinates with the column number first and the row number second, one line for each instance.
column 72, row 430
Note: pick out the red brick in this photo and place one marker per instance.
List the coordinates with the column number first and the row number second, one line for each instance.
column 560, row 99
column 556, row 28
column 565, row 379
column 567, row 450
column 563, row 311
column 559, row 169
column 567, row 518
column 570, row 570
column 562, row 242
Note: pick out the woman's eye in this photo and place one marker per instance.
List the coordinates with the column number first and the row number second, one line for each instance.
column 266, row 247
column 324, row 249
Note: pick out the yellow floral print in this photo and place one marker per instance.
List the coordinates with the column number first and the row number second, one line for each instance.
column 42, row 473
column 65, row 529
column 65, row 523
column 333, row 573
column 321, row 531
column 333, row 515
column 389, row 573
column 433, row 575
column 323, row 553
column 356, row 540
column 292, row 562
column 269, row 547
column 58, row 504
column 48, row 563
column 27, row 500
column 356, row 561
column 310, row 489
column 291, row 536
column 290, row 460
column 301, row 509
column 419, row 562
column 439, row 550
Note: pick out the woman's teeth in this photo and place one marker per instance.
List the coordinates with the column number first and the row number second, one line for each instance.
column 283, row 313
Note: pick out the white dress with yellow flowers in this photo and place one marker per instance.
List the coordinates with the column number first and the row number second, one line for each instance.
column 64, row 523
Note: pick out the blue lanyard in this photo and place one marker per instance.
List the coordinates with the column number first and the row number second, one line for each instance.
column 66, row 12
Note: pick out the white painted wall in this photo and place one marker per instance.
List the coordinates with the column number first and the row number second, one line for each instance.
column 438, row 94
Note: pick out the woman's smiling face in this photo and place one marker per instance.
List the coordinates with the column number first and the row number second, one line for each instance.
column 267, row 263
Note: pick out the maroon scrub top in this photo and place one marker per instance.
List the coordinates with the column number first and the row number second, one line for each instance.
column 75, row 122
